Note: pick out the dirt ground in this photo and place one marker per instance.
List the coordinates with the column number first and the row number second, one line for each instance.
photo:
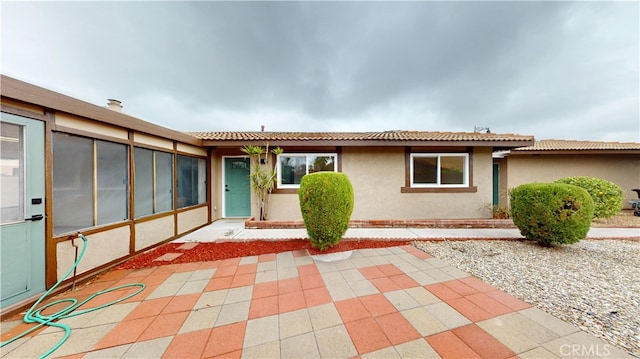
column 624, row 219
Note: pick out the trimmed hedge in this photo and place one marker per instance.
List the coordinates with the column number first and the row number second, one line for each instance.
column 606, row 196
column 551, row 213
column 326, row 202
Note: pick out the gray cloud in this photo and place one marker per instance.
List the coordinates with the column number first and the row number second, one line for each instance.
column 550, row 69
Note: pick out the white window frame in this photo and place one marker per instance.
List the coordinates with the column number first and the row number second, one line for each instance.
column 307, row 156
column 438, row 156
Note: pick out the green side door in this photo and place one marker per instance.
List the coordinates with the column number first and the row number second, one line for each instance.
column 496, row 184
column 237, row 189
column 22, row 190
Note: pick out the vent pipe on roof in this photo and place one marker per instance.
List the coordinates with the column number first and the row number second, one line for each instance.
column 478, row 129
column 262, row 128
column 114, row 104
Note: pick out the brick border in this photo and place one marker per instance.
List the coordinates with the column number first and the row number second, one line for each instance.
column 251, row 223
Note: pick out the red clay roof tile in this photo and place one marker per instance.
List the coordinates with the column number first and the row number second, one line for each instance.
column 568, row 145
column 360, row 136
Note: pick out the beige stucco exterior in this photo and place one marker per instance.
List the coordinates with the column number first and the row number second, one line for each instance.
column 198, row 151
column 102, row 247
column 154, row 231
column 192, row 219
column 378, row 176
column 145, row 139
column 78, row 123
column 623, row 170
column 215, row 187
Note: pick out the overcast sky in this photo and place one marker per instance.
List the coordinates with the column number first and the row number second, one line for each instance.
column 561, row 70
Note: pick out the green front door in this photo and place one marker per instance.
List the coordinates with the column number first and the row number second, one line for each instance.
column 496, row 184
column 22, row 238
column 237, row 189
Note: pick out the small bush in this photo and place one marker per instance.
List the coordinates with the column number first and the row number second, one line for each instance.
column 500, row 212
column 606, row 196
column 326, row 202
column 551, row 213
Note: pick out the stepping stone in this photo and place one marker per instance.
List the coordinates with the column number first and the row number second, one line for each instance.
column 187, row 246
column 168, row 257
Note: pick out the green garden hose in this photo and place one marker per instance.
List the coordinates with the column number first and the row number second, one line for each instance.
column 35, row 315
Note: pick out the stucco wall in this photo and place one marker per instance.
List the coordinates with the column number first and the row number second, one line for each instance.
column 102, row 248
column 378, row 174
column 191, row 219
column 154, row 231
column 145, row 139
column 621, row 170
column 216, row 187
column 198, row 151
column 79, row 123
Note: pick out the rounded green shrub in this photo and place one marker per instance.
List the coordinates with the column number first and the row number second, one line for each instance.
column 326, row 202
column 606, row 196
column 551, row 213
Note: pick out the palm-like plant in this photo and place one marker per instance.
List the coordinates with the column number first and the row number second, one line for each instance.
column 262, row 181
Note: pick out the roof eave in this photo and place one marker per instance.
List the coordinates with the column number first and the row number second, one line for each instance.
column 576, row 152
column 370, row 143
column 21, row 91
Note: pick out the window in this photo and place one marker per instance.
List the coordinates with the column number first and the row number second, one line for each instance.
column 291, row 167
column 192, row 181
column 163, row 181
column 90, row 183
column 112, row 178
column 153, row 181
column 439, row 170
column 12, row 168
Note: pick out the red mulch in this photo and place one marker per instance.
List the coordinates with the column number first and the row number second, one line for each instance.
column 225, row 250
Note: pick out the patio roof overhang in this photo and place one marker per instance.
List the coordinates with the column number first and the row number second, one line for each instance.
column 14, row 89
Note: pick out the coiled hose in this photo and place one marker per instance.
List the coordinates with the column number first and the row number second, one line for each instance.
column 36, row 316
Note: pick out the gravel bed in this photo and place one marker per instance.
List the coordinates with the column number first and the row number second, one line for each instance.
column 593, row 284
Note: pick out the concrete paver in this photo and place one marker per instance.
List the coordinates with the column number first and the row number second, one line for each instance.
column 401, row 302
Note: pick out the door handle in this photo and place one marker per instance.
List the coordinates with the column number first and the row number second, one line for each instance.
column 35, row 217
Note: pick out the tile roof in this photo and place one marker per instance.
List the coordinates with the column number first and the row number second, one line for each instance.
column 360, row 136
column 568, row 145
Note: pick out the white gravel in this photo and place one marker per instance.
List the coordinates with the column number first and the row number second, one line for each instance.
column 594, row 284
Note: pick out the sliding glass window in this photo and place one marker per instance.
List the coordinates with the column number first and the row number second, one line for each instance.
column 153, row 181
column 112, row 179
column 192, row 181
column 164, row 181
column 90, row 183
column 439, row 170
column 292, row 167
